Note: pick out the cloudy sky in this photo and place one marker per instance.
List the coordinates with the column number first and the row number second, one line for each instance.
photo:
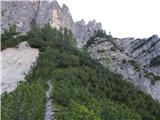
column 124, row 18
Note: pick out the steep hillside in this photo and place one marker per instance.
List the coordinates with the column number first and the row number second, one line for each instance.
column 91, row 83
column 136, row 60
column 82, row 88
column 16, row 63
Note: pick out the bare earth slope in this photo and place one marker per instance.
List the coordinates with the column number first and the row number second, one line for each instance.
column 16, row 63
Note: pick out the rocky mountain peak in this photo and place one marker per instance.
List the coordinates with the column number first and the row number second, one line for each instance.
column 65, row 9
column 44, row 12
column 81, row 22
column 85, row 30
column 154, row 37
column 54, row 4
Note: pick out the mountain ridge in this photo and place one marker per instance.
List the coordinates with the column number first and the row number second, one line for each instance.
column 25, row 14
column 82, row 87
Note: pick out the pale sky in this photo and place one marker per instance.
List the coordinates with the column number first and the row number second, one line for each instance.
column 124, row 18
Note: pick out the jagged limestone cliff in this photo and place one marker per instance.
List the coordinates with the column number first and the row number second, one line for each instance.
column 133, row 59
column 25, row 14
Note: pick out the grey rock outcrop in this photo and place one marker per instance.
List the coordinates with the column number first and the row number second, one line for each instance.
column 131, row 58
column 83, row 31
column 26, row 13
column 22, row 14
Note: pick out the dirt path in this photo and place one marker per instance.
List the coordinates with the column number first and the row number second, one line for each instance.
column 49, row 114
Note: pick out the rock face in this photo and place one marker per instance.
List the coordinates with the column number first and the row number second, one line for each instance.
column 16, row 63
column 26, row 13
column 132, row 58
column 84, row 31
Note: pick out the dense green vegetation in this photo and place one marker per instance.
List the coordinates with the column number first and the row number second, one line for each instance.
column 25, row 103
column 82, row 88
column 10, row 38
column 99, row 33
column 155, row 61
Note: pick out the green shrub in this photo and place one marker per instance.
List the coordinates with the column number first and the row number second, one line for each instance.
column 124, row 61
column 113, row 49
column 134, row 64
column 99, row 33
column 80, row 112
column 112, row 111
column 153, row 77
column 25, row 103
column 155, row 61
column 10, row 38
